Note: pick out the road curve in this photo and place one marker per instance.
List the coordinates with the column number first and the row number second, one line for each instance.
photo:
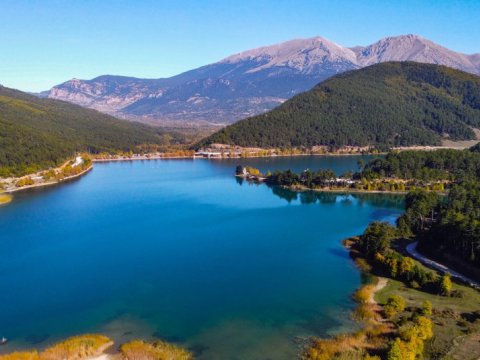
column 412, row 250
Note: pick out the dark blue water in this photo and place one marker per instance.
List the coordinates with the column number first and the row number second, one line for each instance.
column 184, row 251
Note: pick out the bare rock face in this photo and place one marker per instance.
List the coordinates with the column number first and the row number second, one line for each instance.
column 302, row 55
column 414, row 48
column 250, row 82
column 109, row 94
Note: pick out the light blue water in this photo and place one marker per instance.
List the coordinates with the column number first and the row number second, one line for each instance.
column 184, row 251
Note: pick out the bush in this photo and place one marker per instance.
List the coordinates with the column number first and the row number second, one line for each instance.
column 445, row 285
column 394, row 305
column 158, row 350
column 23, row 355
column 427, row 308
column 76, row 347
column 27, row 181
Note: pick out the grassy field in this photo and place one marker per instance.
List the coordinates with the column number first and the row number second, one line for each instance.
column 456, row 320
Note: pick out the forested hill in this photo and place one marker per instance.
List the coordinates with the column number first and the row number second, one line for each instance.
column 388, row 104
column 38, row 133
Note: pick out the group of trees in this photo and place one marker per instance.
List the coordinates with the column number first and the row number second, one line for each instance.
column 376, row 245
column 307, row 178
column 59, row 174
column 443, row 164
column 398, row 171
column 404, row 171
column 384, row 105
column 410, row 344
column 448, row 227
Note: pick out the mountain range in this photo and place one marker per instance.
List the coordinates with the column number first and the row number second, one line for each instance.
column 248, row 83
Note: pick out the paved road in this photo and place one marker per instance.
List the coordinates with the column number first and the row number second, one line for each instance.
column 412, row 250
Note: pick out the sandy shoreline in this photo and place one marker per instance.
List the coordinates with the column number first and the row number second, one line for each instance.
column 381, row 283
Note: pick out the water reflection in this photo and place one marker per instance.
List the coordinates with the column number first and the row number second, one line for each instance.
column 394, row 201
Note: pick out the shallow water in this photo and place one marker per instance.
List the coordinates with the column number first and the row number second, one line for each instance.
column 184, row 251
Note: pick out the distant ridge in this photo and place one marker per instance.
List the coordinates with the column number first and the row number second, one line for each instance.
column 250, row 82
column 386, row 104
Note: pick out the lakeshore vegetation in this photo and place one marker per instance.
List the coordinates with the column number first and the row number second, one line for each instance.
column 74, row 348
column 400, row 171
column 418, row 312
column 92, row 345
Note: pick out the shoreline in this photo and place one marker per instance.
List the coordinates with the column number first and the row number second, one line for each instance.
column 349, row 191
column 142, row 158
column 157, row 157
column 49, row 183
column 300, row 189
column 368, row 314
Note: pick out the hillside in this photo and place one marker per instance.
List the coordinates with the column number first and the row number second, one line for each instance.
column 388, row 104
column 37, row 133
column 248, row 83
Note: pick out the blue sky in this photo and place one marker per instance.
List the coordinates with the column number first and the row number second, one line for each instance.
column 46, row 42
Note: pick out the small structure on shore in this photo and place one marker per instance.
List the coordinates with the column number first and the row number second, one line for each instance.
column 208, row 154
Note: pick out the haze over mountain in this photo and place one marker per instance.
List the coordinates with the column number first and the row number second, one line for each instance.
column 247, row 83
column 387, row 104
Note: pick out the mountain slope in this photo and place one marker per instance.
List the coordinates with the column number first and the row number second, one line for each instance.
column 385, row 104
column 37, row 133
column 250, row 82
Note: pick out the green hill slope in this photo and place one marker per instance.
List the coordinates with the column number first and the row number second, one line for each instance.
column 386, row 104
column 38, row 133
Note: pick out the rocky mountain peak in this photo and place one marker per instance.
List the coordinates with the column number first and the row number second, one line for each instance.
column 413, row 48
column 250, row 82
column 303, row 55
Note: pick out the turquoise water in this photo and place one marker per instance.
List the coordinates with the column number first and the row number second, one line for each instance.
column 184, row 251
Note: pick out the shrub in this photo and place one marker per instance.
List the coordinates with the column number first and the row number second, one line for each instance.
column 24, row 355
column 24, row 182
column 159, row 350
column 445, row 285
column 394, row 305
column 76, row 347
column 427, row 308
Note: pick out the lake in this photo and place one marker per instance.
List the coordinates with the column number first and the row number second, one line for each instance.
column 182, row 250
